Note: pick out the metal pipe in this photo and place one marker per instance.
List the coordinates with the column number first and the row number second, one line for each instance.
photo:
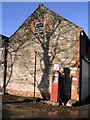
column 35, row 73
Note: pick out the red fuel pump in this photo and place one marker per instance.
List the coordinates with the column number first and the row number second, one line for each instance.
column 54, row 97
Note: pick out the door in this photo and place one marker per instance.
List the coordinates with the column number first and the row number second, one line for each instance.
column 85, row 80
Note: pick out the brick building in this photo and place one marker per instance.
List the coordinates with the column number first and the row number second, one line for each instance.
column 43, row 40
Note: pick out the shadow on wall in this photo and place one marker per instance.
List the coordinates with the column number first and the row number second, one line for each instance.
column 48, row 59
column 7, row 67
column 44, row 83
column 44, row 41
column 4, row 65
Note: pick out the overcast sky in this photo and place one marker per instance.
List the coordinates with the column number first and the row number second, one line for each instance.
column 15, row 13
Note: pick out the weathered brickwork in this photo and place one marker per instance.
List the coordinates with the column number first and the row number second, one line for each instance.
column 58, row 43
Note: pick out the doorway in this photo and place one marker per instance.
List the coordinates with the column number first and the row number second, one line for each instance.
column 85, row 80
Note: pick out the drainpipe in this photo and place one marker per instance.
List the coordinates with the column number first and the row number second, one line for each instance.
column 35, row 72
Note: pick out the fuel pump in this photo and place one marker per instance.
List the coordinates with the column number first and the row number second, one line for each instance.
column 54, row 97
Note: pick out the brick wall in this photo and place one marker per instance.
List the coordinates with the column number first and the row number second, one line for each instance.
column 59, row 45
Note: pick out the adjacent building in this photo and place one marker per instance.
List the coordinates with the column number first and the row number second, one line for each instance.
column 3, row 62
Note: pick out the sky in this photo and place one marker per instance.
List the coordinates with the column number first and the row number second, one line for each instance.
column 13, row 14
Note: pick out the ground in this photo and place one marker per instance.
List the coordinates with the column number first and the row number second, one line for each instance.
column 21, row 107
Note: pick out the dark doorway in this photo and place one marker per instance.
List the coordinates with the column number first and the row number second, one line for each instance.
column 85, row 79
column 65, row 85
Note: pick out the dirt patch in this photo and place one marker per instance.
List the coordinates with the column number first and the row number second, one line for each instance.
column 22, row 107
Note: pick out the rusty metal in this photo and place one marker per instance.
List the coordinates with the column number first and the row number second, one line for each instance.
column 35, row 73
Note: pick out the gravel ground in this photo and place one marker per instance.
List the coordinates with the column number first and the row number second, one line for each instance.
column 14, row 107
